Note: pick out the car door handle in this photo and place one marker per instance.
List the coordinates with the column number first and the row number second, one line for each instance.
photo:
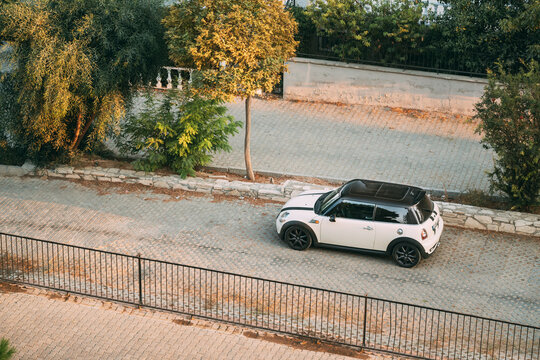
column 368, row 228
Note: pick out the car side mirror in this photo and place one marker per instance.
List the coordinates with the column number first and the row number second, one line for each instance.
column 333, row 218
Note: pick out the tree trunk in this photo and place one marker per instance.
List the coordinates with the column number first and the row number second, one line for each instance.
column 247, row 155
column 85, row 130
column 75, row 141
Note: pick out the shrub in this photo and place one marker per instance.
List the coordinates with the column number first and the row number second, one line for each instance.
column 509, row 112
column 75, row 65
column 379, row 30
column 179, row 132
column 6, row 351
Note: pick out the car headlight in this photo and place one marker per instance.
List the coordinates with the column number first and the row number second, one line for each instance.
column 283, row 216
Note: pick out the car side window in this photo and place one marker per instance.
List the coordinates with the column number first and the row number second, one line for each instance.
column 351, row 210
column 393, row 214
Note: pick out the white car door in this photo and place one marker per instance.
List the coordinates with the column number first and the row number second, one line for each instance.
column 349, row 224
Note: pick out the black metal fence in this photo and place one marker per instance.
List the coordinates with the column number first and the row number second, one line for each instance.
column 332, row 316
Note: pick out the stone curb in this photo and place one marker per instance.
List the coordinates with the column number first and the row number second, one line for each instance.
column 465, row 216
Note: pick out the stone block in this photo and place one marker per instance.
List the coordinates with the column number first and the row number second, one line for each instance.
column 233, row 192
column 127, row 172
column 162, row 185
column 204, row 190
column 484, row 219
column 64, row 170
column 493, row 227
column 104, row 178
column 520, row 223
column 146, row 182
column 73, row 176
column 486, row 212
column 179, row 186
column 98, row 173
column 29, row 166
column 525, row 229
column 509, row 228
column 116, row 180
column 269, row 192
column 474, row 224
column 88, row 177
column 9, row 170
column 454, row 221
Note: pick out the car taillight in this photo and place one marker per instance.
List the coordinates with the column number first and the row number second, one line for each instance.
column 424, row 234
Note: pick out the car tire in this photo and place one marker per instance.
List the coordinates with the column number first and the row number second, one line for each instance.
column 406, row 254
column 298, row 237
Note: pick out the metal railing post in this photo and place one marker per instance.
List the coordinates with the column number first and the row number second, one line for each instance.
column 140, row 280
column 365, row 319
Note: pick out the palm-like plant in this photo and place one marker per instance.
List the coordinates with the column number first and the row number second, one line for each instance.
column 6, row 351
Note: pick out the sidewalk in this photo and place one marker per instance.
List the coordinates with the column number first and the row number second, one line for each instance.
column 47, row 325
column 336, row 141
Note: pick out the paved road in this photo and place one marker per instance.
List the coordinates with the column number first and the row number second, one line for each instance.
column 481, row 273
column 41, row 326
column 346, row 142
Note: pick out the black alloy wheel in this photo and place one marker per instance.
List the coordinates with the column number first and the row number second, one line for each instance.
column 298, row 238
column 406, row 255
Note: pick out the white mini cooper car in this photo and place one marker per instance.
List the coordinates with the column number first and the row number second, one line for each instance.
column 371, row 216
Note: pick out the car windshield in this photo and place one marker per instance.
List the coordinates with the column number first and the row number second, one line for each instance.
column 328, row 199
column 424, row 208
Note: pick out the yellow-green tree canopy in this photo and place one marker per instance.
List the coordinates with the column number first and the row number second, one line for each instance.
column 239, row 46
column 75, row 62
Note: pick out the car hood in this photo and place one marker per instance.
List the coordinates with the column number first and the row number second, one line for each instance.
column 303, row 201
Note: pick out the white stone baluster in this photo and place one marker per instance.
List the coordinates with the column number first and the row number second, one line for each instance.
column 169, row 78
column 190, row 76
column 179, row 86
column 159, row 84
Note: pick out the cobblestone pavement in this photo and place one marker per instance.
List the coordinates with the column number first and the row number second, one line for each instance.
column 43, row 325
column 344, row 142
column 481, row 273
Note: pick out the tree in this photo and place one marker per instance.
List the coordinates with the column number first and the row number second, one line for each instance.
column 238, row 47
column 509, row 114
column 179, row 132
column 6, row 351
column 479, row 33
column 374, row 30
column 76, row 63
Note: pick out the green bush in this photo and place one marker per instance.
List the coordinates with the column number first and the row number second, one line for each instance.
column 179, row 132
column 379, row 30
column 6, row 351
column 509, row 112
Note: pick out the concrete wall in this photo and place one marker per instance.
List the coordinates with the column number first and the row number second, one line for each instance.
column 337, row 82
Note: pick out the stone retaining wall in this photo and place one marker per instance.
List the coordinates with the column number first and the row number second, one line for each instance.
column 464, row 216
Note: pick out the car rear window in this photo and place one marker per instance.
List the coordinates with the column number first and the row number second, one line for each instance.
column 424, row 209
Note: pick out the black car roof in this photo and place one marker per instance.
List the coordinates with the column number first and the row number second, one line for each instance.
column 382, row 192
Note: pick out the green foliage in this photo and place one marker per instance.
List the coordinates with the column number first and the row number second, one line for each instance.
column 306, row 28
column 239, row 47
column 509, row 112
column 11, row 152
column 179, row 132
column 6, row 351
column 385, row 30
column 489, row 31
column 75, row 64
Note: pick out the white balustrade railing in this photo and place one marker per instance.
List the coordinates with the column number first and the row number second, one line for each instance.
column 175, row 75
